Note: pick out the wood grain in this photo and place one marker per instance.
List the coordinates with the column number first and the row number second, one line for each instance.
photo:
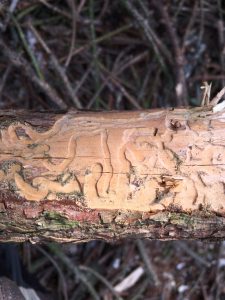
column 101, row 166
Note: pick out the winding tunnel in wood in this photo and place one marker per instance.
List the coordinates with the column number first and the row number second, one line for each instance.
column 108, row 175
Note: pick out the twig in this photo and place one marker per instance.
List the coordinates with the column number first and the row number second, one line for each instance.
column 195, row 287
column 180, row 88
column 206, row 93
column 104, row 8
column 55, row 249
column 148, row 264
column 143, row 88
column 132, row 61
column 202, row 19
column 101, row 278
column 189, row 25
column 220, row 26
column 193, row 254
column 102, row 38
column 73, row 39
column 13, row 5
column 179, row 6
column 56, row 9
column 162, row 47
column 21, row 63
column 151, row 37
column 83, row 79
column 27, row 48
column 58, row 269
column 217, row 277
column 131, row 99
column 94, row 50
column 58, row 69
column 80, row 6
column 3, row 5
column 218, row 97
column 4, row 78
column 115, row 72
column 10, row 11
column 139, row 293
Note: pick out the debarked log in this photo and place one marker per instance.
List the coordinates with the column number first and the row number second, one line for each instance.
column 80, row 176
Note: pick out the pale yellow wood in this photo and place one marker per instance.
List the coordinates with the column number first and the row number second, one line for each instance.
column 143, row 160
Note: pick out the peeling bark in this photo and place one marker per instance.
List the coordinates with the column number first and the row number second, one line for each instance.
column 80, row 176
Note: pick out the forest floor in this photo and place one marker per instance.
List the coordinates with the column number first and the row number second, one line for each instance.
column 121, row 55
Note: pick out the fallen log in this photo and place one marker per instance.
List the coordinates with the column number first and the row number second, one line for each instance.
column 80, row 176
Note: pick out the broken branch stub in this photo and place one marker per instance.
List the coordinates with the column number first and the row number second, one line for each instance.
column 81, row 176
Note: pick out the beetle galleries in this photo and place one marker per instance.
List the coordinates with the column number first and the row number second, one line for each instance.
column 144, row 161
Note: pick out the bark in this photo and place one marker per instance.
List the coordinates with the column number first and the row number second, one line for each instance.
column 80, row 176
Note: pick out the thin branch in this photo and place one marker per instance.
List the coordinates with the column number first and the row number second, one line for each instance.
column 148, row 264
column 193, row 254
column 22, row 64
column 73, row 39
column 58, row 269
column 55, row 249
column 102, row 279
column 180, row 88
column 58, row 69
column 151, row 37
column 218, row 97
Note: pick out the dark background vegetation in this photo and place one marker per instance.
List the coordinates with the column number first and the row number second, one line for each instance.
column 120, row 54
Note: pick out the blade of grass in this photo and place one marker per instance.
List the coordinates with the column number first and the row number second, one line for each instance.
column 28, row 49
column 75, row 270
column 103, row 38
column 74, row 30
column 58, row 69
column 21, row 63
column 150, row 270
column 58, row 269
column 94, row 51
column 101, row 278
